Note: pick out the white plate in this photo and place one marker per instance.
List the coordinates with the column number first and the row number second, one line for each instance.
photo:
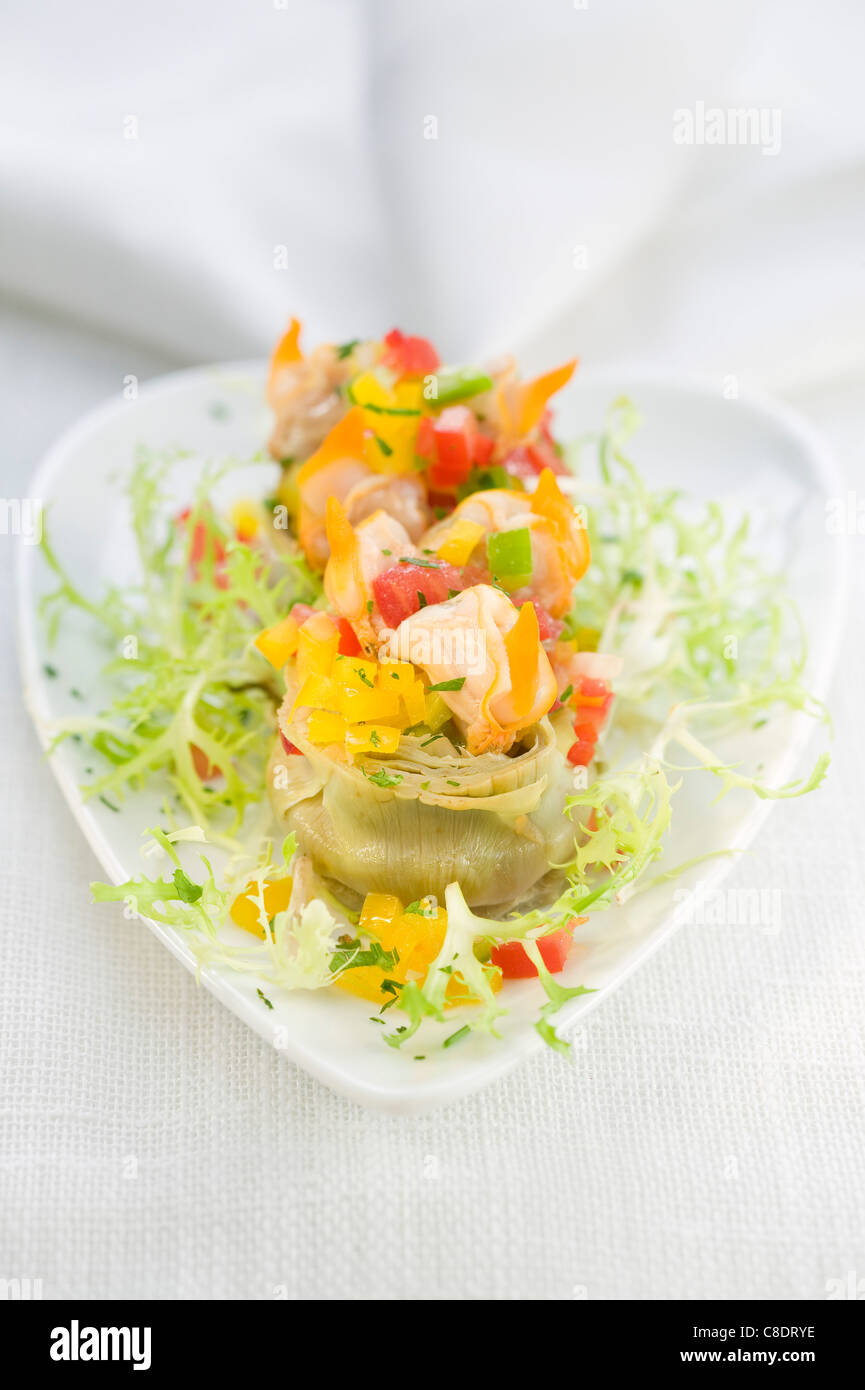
column 749, row 451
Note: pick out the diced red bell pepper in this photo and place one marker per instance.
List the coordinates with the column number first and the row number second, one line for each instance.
column 586, row 731
column 348, row 643
column 203, row 545
column 530, row 460
column 592, row 699
column 513, row 961
column 456, row 432
column 409, row 356
column 550, row 629
column 473, row 574
column 443, row 502
column 204, row 768
column 483, row 450
column 524, row 461
column 580, row 754
column 591, row 688
column 425, row 441
column 396, row 590
column 288, row 746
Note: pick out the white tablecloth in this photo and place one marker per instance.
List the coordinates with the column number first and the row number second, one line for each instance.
column 708, row 1139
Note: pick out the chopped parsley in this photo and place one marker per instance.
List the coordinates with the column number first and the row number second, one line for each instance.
column 187, row 891
column 382, row 778
column 351, row 954
column 456, row 683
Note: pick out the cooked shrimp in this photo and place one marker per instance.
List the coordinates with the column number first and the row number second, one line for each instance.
column 357, row 555
column 560, row 546
column 508, row 683
column 305, row 396
column 403, row 496
column 332, row 471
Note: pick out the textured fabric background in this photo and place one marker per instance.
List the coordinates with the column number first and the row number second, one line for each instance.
column 708, row 1139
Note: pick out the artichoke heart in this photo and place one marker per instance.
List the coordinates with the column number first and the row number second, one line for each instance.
column 429, row 814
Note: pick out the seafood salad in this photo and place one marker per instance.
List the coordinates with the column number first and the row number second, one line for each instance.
column 420, row 712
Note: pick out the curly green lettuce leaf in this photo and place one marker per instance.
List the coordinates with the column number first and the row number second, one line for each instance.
column 299, row 949
column 673, row 589
column 189, row 693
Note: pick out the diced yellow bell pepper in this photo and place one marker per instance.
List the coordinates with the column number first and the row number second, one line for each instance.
column 366, row 389
column 366, row 706
column 246, row 519
column 326, row 727
column 389, row 448
column 279, row 642
column 414, row 701
column 355, row 673
column 400, row 671
column 460, row 541
column 409, row 394
column 372, row 738
column 317, row 646
column 318, row 692
column 245, row 909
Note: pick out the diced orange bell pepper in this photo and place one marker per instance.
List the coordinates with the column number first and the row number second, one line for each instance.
column 347, row 439
column 523, row 646
column 534, row 395
column 549, row 502
column 286, row 351
column 379, row 907
column 366, row 981
column 458, row 991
